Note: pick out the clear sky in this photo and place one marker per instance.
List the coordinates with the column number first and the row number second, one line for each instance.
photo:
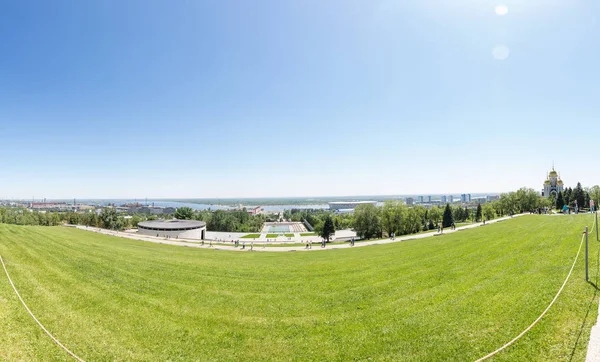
column 236, row 98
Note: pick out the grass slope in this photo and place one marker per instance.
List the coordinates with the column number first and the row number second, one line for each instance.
column 251, row 236
column 454, row 297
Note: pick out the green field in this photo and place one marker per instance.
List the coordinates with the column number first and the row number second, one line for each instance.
column 272, row 236
column 289, row 235
column 251, row 236
column 452, row 297
column 308, row 234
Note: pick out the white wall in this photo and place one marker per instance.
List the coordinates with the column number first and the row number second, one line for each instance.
column 188, row 234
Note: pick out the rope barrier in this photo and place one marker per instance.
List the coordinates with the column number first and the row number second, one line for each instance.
column 541, row 315
column 34, row 318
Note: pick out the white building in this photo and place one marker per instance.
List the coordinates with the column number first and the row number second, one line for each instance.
column 189, row 229
column 553, row 184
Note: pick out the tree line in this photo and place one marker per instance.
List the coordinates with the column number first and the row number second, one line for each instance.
column 369, row 221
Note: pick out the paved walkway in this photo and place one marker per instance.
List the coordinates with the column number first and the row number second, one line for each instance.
column 262, row 247
column 593, row 350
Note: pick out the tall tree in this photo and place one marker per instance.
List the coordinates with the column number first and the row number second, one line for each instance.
column 184, row 213
column 552, row 199
column 328, row 228
column 595, row 195
column 488, row 212
column 479, row 213
column 568, row 195
column 579, row 196
column 560, row 201
column 110, row 219
column 367, row 221
column 447, row 219
column 391, row 216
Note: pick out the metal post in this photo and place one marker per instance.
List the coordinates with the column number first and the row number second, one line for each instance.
column 586, row 254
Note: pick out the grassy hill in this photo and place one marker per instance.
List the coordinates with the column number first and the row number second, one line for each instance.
column 454, row 297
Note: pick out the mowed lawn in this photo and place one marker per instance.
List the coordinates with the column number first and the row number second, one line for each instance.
column 453, row 297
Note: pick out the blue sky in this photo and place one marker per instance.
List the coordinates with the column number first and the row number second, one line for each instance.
column 240, row 98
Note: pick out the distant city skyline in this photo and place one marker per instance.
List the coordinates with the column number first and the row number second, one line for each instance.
column 269, row 98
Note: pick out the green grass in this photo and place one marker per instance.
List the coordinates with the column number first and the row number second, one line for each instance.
column 289, row 235
column 452, row 297
column 251, row 236
column 308, row 234
column 272, row 236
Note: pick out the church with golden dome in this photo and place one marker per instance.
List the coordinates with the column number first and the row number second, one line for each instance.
column 553, row 184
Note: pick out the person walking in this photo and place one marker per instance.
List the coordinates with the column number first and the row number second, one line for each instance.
column 244, row 245
column 252, row 246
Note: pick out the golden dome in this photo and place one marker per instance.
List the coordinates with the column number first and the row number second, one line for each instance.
column 547, row 182
column 553, row 173
column 560, row 182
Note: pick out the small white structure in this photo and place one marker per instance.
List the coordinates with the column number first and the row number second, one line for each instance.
column 188, row 229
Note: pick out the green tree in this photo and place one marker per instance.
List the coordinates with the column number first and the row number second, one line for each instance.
column 552, row 200
column 579, row 196
column 479, row 213
column 184, row 213
column 53, row 219
column 135, row 220
column 367, row 221
column 412, row 220
column 568, row 196
column 328, row 228
column 560, row 201
column 391, row 216
column 488, row 212
column 595, row 195
column 447, row 219
column 110, row 219
column 435, row 215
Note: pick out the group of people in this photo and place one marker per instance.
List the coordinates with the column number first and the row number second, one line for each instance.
column 237, row 244
column 452, row 227
column 168, row 236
